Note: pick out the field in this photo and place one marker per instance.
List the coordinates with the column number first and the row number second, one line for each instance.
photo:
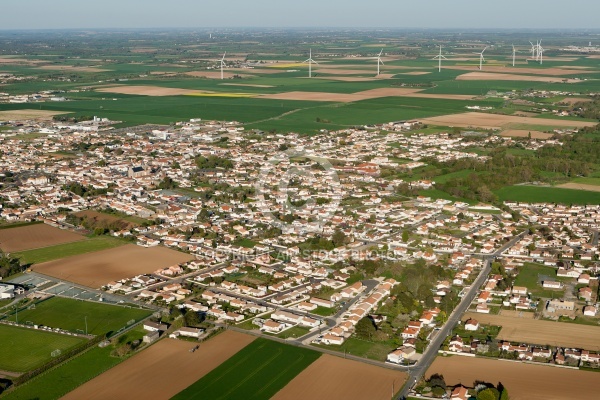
column 542, row 194
column 487, row 76
column 98, row 268
column 580, row 186
column 146, row 90
column 69, row 314
column 540, row 332
column 335, row 378
column 125, row 222
column 258, row 371
column 526, row 133
column 44, row 254
column 522, row 381
column 496, row 121
column 27, row 114
column 162, row 370
column 25, row 349
column 34, row 236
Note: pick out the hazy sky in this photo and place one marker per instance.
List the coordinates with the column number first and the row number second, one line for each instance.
column 519, row 14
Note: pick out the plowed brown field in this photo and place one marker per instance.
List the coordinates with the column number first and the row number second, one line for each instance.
column 522, row 381
column 335, row 378
column 535, row 331
column 496, row 121
column 100, row 267
column 163, row 370
column 34, row 236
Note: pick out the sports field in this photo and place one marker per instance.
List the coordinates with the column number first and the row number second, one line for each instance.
column 24, row 349
column 522, row 381
column 98, row 268
column 335, row 378
column 258, row 371
column 540, row 332
column 34, row 236
column 71, row 315
column 162, row 370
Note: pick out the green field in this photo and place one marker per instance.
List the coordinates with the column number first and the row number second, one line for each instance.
column 60, row 380
column 69, row 249
column 531, row 274
column 24, row 349
column 542, row 194
column 70, row 315
column 258, row 371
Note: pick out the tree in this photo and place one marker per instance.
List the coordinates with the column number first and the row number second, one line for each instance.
column 167, row 183
column 437, row 380
column 191, row 318
column 338, row 238
column 365, row 328
column 405, row 236
column 488, row 394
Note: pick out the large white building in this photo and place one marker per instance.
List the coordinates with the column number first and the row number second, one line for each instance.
column 7, row 291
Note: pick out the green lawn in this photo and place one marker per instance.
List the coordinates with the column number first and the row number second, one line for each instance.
column 294, row 332
column 24, row 349
column 535, row 194
column 70, row 315
column 325, row 311
column 363, row 348
column 44, row 254
column 531, row 274
column 258, row 371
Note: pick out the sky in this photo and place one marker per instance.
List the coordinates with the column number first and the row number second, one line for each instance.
column 465, row 14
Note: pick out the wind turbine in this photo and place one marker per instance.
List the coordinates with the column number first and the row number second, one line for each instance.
column 440, row 57
column 541, row 52
column 514, row 54
column 222, row 64
column 481, row 59
column 379, row 62
column 532, row 50
column 310, row 61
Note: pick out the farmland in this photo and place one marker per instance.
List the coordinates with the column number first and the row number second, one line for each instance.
column 35, row 236
column 258, row 371
column 24, row 349
column 335, row 378
column 88, row 245
column 143, row 376
column 540, row 332
column 541, row 194
column 98, row 268
column 523, row 381
column 72, row 315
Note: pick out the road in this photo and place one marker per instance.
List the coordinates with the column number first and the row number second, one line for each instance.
column 417, row 372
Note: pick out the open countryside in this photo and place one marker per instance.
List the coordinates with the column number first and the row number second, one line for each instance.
column 228, row 213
